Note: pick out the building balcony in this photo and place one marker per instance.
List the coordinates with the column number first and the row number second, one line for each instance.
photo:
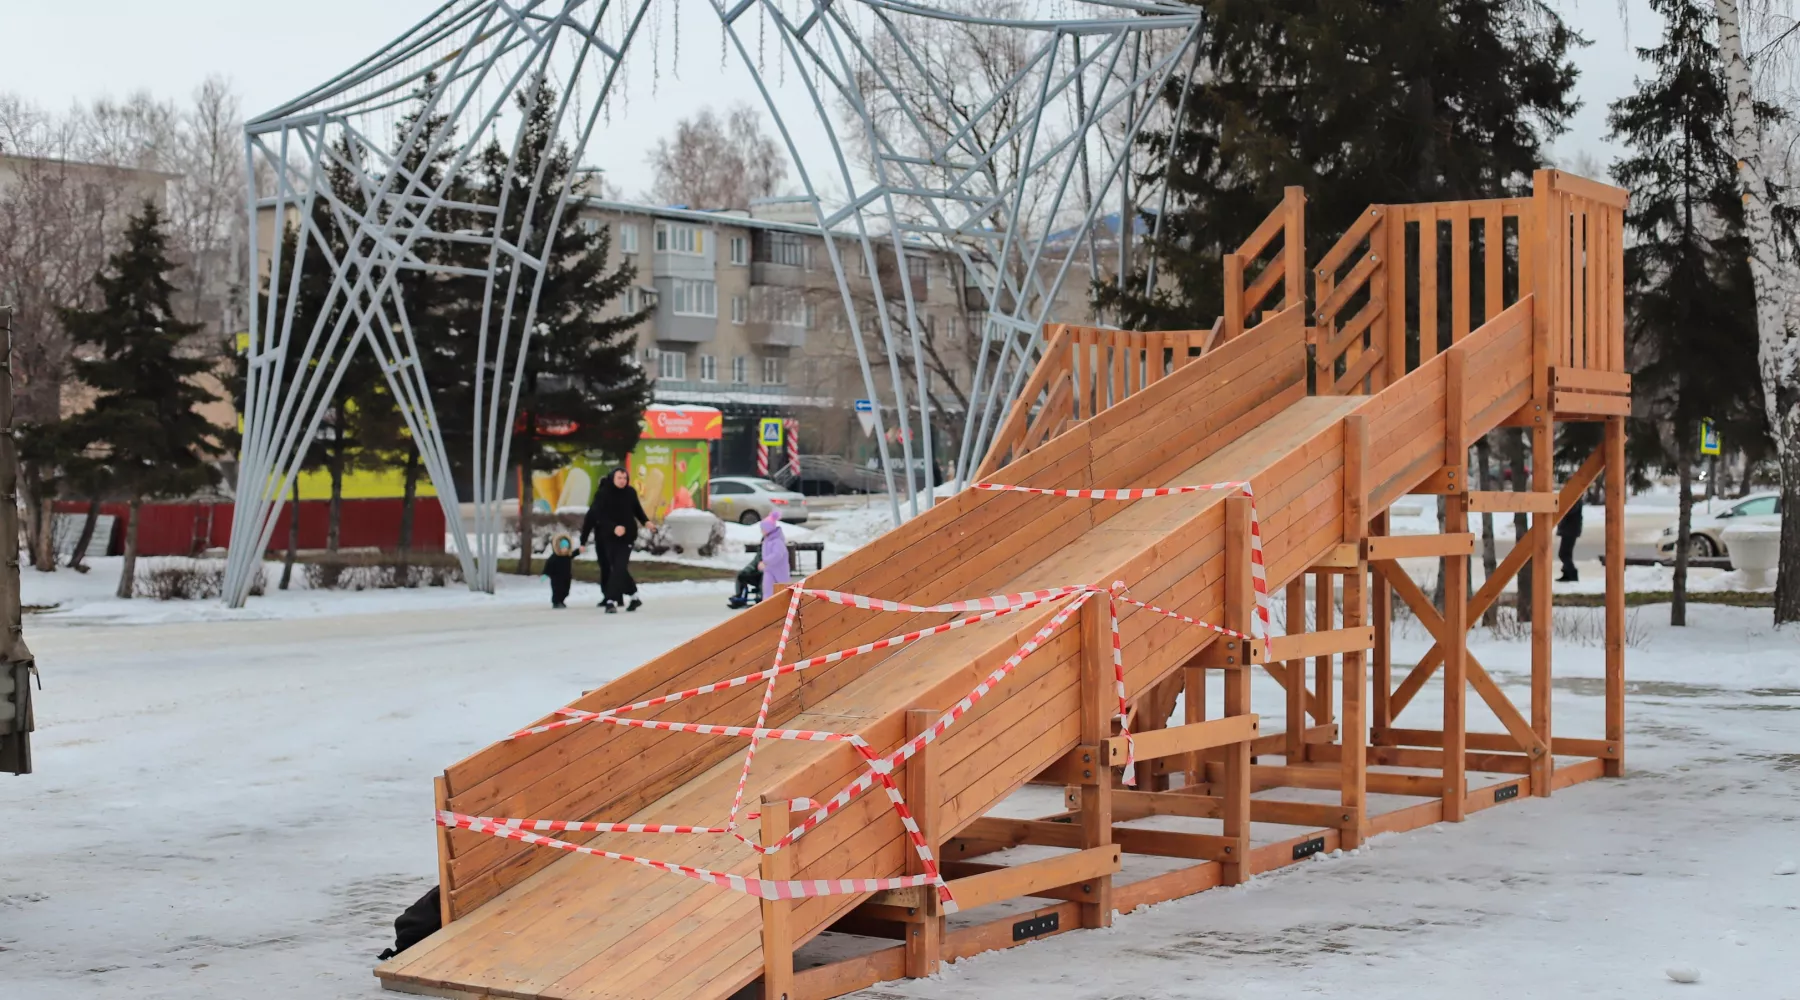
column 775, row 334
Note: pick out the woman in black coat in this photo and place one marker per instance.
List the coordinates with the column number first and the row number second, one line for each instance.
column 614, row 517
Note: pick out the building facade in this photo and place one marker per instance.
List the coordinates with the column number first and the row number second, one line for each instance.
column 748, row 317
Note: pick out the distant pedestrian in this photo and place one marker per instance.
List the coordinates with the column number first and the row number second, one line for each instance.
column 1567, row 531
column 614, row 517
column 774, row 555
column 559, row 566
column 749, row 581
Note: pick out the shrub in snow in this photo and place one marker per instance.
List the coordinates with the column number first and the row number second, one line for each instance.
column 382, row 571
column 186, row 580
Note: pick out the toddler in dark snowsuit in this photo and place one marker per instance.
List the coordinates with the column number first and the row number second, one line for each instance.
column 559, row 566
column 749, row 580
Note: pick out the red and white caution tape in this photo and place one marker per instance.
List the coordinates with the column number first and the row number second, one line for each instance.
column 1259, row 576
column 759, row 887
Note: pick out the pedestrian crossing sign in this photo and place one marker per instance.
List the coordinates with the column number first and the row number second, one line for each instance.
column 1709, row 438
column 771, row 431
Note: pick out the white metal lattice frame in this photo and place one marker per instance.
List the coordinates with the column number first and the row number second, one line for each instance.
column 471, row 57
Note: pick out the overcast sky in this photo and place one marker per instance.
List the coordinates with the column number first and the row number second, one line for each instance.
column 60, row 51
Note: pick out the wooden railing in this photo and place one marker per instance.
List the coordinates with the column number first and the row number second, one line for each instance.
column 1084, row 371
column 1407, row 281
column 1273, row 265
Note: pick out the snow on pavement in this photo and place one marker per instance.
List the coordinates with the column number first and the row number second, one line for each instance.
column 229, row 809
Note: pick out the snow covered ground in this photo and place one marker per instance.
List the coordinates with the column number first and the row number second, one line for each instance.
column 239, row 808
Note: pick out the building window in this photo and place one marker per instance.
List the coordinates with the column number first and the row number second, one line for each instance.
column 919, row 270
column 811, row 315
column 779, row 248
column 773, row 372
column 671, row 365
column 673, row 237
column 651, row 358
column 811, row 260
column 628, row 239
column 740, row 310
column 694, row 298
column 740, row 251
column 590, row 226
column 632, row 299
column 709, row 368
column 952, row 329
column 740, row 370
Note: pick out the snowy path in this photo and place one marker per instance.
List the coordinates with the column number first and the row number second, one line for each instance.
column 239, row 809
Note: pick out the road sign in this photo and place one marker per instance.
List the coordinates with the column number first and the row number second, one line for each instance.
column 865, row 415
column 1709, row 438
column 771, row 432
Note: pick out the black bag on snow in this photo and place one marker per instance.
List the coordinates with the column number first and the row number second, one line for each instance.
column 416, row 924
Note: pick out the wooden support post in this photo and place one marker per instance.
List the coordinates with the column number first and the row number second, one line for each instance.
column 1615, row 594
column 1193, row 709
column 1234, row 296
column 1456, row 592
column 441, row 793
column 1099, row 702
column 1353, row 769
column 1543, row 538
column 1240, row 598
column 919, row 783
column 1381, row 664
column 1294, row 748
column 1324, row 600
column 777, row 914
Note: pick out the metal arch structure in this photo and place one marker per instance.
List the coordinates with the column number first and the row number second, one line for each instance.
column 908, row 185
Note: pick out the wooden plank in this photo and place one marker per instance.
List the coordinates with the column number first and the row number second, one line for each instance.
column 1509, row 502
column 1591, row 380
column 1324, row 611
column 1542, row 624
column 1234, row 297
column 1389, row 548
column 1174, row 844
column 1493, row 259
column 777, row 930
column 1291, row 647
column 1381, row 657
column 1352, row 283
column 1293, row 247
column 1614, row 447
column 1453, row 636
column 1352, row 238
column 1347, row 384
column 1169, row 885
column 1137, row 805
column 1293, row 677
column 1430, row 333
column 1259, row 289
column 1085, row 866
column 1395, row 344
column 1099, row 703
column 1581, row 187
column 1184, row 739
column 919, row 782
column 1239, row 598
column 1459, row 271
column 1563, row 401
column 827, row 981
column 996, row 934
column 1575, row 774
column 1353, row 773
column 1409, row 818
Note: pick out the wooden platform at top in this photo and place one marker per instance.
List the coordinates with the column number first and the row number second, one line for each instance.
column 537, row 923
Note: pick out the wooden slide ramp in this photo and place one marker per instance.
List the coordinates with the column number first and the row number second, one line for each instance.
column 528, row 921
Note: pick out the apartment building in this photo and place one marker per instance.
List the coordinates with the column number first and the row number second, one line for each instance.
column 749, row 318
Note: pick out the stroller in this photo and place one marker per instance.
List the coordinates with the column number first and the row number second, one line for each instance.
column 749, row 585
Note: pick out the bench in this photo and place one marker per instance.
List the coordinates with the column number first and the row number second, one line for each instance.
column 794, row 550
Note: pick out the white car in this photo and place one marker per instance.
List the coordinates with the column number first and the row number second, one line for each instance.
column 747, row 500
column 1705, row 541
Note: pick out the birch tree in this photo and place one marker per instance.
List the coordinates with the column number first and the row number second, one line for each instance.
column 1773, row 270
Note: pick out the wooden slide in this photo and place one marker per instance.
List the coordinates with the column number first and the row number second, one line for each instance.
column 532, row 921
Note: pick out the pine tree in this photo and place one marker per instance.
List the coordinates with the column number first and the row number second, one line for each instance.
column 1359, row 101
column 1691, row 309
column 143, row 430
column 579, row 389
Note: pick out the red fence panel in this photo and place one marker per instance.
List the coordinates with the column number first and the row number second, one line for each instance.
column 179, row 529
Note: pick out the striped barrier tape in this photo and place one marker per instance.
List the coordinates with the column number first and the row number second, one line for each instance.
column 750, row 885
column 1259, row 576
column 880, row 767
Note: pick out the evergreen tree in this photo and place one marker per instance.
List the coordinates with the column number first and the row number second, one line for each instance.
column 1691, row 309
column 143, row 431
column 579, row 389
column 1359, row 101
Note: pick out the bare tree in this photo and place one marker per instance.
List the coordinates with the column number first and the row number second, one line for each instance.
column 67, row 185
column 718, row 162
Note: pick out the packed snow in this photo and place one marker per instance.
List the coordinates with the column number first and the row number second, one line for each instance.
column 237, row 804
